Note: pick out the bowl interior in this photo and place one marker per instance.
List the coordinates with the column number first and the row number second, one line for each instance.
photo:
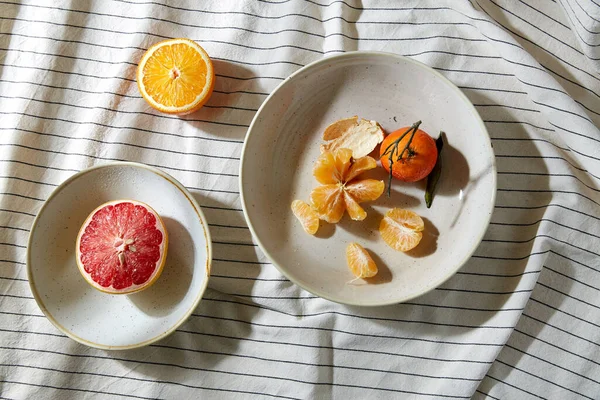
column 117, row 321
column 283, row 143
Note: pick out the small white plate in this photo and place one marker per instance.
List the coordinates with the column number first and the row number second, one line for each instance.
column 116, row 322
column 282, row 145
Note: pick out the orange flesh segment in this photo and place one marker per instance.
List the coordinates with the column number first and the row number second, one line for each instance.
column 306, row 215
column 355, row 211
column 366, row 190
column 401, row 229
column 360, row 262
column 361, row 165
column 324, row 170
column 328, row 201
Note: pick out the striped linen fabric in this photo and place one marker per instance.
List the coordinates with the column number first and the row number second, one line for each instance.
column 520, row 320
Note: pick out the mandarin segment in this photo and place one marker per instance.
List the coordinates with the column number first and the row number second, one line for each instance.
column 355, row 211
column 366, row 190
column 328, row 201
column 359, row 166
column 324, row 169
column 306, row 215
column 401, row 229
column 360, row 262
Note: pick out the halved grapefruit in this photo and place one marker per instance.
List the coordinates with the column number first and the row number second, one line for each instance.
column 122, row 247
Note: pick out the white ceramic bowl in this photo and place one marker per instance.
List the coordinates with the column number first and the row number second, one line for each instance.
column 117, row 322
column 283, row 142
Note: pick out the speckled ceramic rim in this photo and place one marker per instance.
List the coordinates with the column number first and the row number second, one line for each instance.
column 366, row 55
column 196, row 208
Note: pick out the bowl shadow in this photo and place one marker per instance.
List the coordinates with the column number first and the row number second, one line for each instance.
column 170, row 288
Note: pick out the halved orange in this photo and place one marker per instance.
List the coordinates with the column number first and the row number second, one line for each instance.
column 176, row 76
column 360, row 262
column 401, row 229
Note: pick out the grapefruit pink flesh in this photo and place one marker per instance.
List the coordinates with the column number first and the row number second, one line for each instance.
column 122, row 246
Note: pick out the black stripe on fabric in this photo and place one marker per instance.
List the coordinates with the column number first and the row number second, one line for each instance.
column 13, row 245
column 135, row 65
column 562, row 110
column 564, row 312
column 45, row 167
column 20, row 314
column 572, row 278
column 487, row 395
column 484, row 292
column 492, row 90
column 133, row 97
column 13, row 262
column 40, row 166
column 28, row 180
column 303, row 345
column 513, row 386
column 349, row 349
column 234, row 244
column 251, row 278
column 545, row 220
column 559, row 329
column 139, row 379
column 124, row 128
column 240, row 62
column 488, row 121
column 332, row 366
column 556, row 346
column 13, row 279
column 223, row 174
column 75, row 389
column 511, row 258
column 586, row 13
column 205, row 40
column 574, row 261
column 21, row 196
column 545, row 191
column 304, row 315
column 212, row 27
column 321, row 329
column 278, row 378
column 406, row 303
column 14, row 228
column 121, row 112
column 17, row 212
column 16, row 296
column 545, row 15
column 569, row 296
column 539, row 377
column 547, row 206
column 499, row 276
column 578, row 134
column 93, row 123
column 507, row 106
column 580, row 23
column 540, row 236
